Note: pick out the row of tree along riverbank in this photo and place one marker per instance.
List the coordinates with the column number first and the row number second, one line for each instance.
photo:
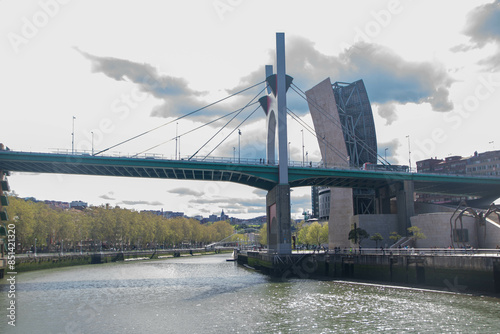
column 54, row 230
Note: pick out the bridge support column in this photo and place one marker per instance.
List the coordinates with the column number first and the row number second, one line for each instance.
column 406, row 206
column 279, row 233
column 341, row 213
column 383, row 201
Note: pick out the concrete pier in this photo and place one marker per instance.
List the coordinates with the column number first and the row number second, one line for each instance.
column 467, row 273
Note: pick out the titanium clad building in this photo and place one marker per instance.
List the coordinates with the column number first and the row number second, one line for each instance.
column 356, row 116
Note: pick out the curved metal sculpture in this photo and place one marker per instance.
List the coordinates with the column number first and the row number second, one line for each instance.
column 480, row 217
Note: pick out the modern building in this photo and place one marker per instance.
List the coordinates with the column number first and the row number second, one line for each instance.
column 315, row 202
column 57, row 204
column 323, row 203
column 343, row 121
column 78, row 205
column 356, row 117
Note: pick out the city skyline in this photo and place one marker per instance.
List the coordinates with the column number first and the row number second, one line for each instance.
column 433, row 86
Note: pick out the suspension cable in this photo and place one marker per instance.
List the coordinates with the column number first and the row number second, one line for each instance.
column 231, row 132
column 310, row 130
column 192, row 130
column 181, row 117
column 232, row 118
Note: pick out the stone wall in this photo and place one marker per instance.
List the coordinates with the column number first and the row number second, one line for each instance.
column 383, row 224
column 436, row 227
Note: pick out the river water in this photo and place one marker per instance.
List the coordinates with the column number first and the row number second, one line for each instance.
column 206, row 294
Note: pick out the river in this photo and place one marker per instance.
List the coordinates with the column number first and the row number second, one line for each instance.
column 206, row 294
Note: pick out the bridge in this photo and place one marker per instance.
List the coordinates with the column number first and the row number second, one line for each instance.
column 274, row 173
column 252, row 173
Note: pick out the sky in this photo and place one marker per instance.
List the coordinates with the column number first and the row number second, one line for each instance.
column 120, row 68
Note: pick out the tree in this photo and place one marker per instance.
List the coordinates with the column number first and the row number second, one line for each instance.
column 314, row 234
column 324, row 233
column 394, row 236
column 415, row 233
column 357, row 235
column 263, row 235
column 376, row 237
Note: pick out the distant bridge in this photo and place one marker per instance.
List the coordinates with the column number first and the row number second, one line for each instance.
column 251, row 173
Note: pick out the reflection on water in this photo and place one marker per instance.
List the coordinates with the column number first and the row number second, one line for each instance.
column 209, row 295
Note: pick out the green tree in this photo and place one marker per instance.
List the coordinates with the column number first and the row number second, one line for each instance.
column 394, row 237
column 357, row 235
column 314, row 234
column 263, row 235
column 324, row 233
column 415, row 233
column 376, row 237
column 302, row 235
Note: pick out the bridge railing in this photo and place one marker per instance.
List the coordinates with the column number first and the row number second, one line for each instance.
column 420, row 251
column 157, row 156
column 228, row 160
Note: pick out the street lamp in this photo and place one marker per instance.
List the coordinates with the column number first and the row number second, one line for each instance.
column 73, row 137
column 62, row 247
column 385, row 154
column 239, row 145
column 234, row 154
column 92, row 132
column 289, row 152
column 409, row 153
column 35, row 246
column 302, row 130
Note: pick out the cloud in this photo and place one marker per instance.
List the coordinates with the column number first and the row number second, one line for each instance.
column 107, row 197
column 388, row 112
column 483, row 28
column 387, row 76
column 177, row 98
column 186, row 192
column 259, row 192
column 153, row 203
column 230, row 205
column 301, row 201
column 391, row 146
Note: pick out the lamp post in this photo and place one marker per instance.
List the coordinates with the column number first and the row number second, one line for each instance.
column 62, row 247
column 239, row 145
column 92, row 132
column 73, row 137
column 385, row 154
column 409, row 153
column 302, row 130
column 234, row 154
column 176, row 137
column 289, row 152
column 35, row 246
